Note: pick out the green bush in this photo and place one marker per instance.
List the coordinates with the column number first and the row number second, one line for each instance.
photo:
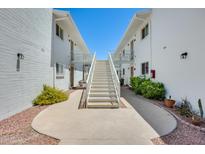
column 153, row 90
column 148, row 88
column 135, row 83
column 49, row 96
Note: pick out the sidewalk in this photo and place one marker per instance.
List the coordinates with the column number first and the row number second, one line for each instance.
column 94, row 126
column 160, row 120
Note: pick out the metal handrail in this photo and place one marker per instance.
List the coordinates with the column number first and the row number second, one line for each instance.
column 90, row 77
column 115, row 78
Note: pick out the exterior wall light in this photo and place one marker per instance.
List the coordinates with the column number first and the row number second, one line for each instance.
column 20, row 56
column 184, row 55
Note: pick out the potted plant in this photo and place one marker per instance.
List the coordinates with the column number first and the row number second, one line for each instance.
column 169, row 102
column 196, row 119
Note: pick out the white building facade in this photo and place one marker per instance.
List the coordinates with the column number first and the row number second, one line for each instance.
column 29, row 52
column 169, row 48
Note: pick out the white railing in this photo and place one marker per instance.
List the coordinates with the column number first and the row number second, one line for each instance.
column 115, row 78
column 89, row 79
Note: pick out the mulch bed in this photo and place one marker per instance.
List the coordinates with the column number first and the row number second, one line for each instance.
column 17, row 129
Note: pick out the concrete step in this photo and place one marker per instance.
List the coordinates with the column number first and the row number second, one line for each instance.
column 102, row 83
column 102, row 99
column 94, row 90
column 102, row 86
column 102, row 94
column 100, row 72
column 103, row 73
column 102, row 105
column 102, row 78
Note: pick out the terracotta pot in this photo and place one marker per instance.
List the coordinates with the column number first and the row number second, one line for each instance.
column 196, row 120
column 169, row 103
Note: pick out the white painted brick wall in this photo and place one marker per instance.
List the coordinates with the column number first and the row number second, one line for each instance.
column 27, row 31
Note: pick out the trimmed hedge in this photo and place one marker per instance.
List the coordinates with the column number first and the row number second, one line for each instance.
column 49, row 96
column 148, row 88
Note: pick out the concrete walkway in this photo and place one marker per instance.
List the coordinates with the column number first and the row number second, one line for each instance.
column 160, row 120
column 93, row 126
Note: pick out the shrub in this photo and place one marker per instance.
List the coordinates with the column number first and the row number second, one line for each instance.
column 153, row 90
column 135, row 83
column 148, row 88
column 49, row 96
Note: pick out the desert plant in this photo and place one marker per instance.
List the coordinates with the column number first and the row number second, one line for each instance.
column 185, row 108
column 200, row 108
column 49, row 96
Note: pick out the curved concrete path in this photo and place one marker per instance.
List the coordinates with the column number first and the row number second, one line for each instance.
column 160, row 120
column 93, row 126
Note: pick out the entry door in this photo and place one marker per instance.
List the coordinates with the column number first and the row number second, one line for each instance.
column 132, row 50
column 132, row 71
column 72, row 50
column 72, row 76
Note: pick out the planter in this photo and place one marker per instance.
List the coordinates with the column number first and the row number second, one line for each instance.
column 196, row 120
column 169, row 103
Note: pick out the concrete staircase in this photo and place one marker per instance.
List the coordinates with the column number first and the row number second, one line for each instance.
column 102, row 93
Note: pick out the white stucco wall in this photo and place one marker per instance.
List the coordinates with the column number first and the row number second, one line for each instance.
column 61, row 54
column 142, row 49
column 180, row 30
column 26, row 31
column 172, row 32
column 78, row 75
column 126, row 76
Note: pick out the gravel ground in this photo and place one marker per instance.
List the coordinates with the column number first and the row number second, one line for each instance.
column 182, row 135
column 17, row 129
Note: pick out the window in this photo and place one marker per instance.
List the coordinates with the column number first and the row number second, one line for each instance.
column 145, row 68
column 59, row 71
column 59, row 31
column 132, row 50
column 145, row 31
column 123, row 71
column 61, row 34
column 123, row 52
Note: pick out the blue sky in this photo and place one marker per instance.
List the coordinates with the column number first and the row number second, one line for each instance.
column 102, row 29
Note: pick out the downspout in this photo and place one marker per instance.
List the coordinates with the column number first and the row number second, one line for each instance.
column 151, row 44
column 52, row 50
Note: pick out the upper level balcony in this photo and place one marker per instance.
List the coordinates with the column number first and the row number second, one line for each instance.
column 124, row 57
column 80, row 57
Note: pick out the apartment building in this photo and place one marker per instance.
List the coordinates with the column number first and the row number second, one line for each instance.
column 166, row 45
column 37, row 46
